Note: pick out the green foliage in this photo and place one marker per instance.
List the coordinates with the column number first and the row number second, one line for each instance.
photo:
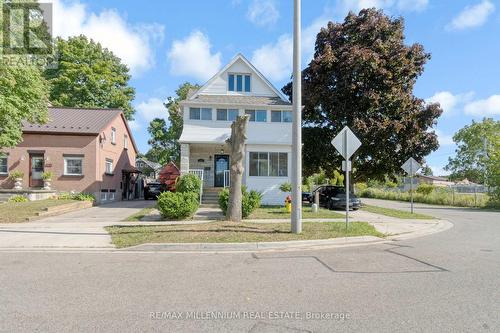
column 286, row 187
column 391, row 184
column 164, row 138
column 177, row 205
column 89, row 76
column 16, row 174
column 360, row 187
column 47, row 175
column 425, row 189
column 23, row 96
column 362, row 76
column 188, row 183
column 250, row 201
column 18, row 198
column 76, row 196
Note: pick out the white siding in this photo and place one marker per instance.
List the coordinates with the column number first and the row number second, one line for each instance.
column 268, row 186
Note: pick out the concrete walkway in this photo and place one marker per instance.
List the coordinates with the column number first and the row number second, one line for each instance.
column 84, row 229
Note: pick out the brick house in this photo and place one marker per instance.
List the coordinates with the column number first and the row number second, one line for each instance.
column 87, row 150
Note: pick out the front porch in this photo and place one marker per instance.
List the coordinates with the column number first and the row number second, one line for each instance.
column 209, row 161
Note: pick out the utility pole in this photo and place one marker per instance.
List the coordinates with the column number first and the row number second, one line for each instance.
column 297, row 123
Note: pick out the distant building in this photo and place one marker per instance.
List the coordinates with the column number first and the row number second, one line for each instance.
column 150, row 170
column 433, row 180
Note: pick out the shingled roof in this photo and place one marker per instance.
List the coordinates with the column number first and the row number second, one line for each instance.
column 237, row 100
column 74, row 121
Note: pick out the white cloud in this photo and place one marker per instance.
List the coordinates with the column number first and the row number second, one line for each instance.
column 131, row 43
column 263, row 12
column 192, row 57
column 439, row 171
column 402, row 5
column 449, row 101
column 151, row 108
column 472, row 16
column 275, row 60
column 444, row 139
column 484, row 107
column 134, row 125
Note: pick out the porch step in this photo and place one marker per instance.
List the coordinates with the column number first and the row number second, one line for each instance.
column 211, row 196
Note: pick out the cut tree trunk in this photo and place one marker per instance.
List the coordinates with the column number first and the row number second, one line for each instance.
column 237, row 146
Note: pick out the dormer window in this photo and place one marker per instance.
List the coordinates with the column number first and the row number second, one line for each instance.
column 239, row 82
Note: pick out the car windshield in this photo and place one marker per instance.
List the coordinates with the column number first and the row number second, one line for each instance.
column 154, row 185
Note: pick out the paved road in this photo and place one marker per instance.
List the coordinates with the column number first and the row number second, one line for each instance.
column 446, row 282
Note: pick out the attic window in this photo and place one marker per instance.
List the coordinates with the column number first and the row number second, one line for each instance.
column 239, row 82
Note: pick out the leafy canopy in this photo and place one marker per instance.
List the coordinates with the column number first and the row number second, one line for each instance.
column 165, row 136
column 89, row 76
column 362, row 76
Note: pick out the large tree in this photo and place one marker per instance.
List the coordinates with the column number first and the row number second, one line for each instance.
column 89, row 76
column 23, row 90
column 478, row 153
column 165, row 136
column 362, row 75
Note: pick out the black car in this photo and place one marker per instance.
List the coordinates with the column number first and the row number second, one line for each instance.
column 306, row 196
column 333, row 197
column 152, row 190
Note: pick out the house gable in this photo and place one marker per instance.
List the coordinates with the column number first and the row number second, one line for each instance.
column 218, row 84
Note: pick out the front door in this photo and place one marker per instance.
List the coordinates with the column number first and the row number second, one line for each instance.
column 36, row 170
column 221, row 165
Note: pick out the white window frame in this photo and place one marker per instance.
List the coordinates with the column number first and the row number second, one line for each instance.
column 6, row 157
column 243, row 83
column 268, row 163
column 201, row 114
column 281, row 112
column 104, row 195
column 125, row 141
column 66, row 158
column 227, row 114
column 109, row 162
column 113, row 135
column 111, row 195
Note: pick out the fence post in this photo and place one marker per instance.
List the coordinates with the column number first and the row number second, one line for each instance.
column 453, row 196
column 475, row 197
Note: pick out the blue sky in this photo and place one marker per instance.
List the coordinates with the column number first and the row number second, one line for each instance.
column 169, row 42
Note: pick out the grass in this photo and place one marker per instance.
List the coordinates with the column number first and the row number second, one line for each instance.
column 279, row 212
column 396, row 213
column 140, row 214
column 228, row 232
column 15, row 212
column 438, row 197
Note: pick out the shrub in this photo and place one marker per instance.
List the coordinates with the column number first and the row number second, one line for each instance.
column 76, row 196
column 286, row 187
column 47, row 175
column 425, row 189
column 16, row 174
column 177, row 205
column 188, row 183
column 18, row 198
column 249, row 202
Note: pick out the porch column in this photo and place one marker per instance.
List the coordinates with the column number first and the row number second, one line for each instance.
column 184, row 158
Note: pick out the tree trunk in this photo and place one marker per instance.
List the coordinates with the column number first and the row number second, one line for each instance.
column 237, row 146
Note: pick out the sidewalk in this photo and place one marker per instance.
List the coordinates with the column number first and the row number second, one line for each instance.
column 84, row 229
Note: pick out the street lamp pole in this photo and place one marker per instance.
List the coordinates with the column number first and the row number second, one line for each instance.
column 297, row 123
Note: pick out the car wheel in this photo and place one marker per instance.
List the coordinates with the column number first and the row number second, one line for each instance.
column 330, row 205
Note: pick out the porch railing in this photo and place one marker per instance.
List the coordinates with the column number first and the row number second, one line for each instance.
column 227, row 178
column 199, row 173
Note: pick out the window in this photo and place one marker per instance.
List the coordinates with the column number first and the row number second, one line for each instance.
column 73, row 166
column 125, row 141
column 281, row 116
column 200, row 114
column 268, row 164
column 104, row 195
column 227, row 114
column 239, row 82
column 113, row 135
column 3, row 165
column 109, row 166
column 111, row 195
column 257, row 115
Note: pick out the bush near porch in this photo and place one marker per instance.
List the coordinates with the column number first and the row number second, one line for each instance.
column 249, row 201
column 184, row 202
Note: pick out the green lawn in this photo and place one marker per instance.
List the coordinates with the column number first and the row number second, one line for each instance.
column 14, row 212
column 140, row 214
column 227, row 232
column 396, row 213
column 279, row 212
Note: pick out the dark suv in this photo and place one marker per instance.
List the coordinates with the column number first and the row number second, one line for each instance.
column 153, row 190
column 333, row 197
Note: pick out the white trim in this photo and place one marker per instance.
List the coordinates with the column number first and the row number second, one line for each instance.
column 65, row 171
column 6, row 156
column 239, row 56
column 113, row 135
column 109, row 162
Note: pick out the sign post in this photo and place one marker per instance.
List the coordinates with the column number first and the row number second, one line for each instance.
column 346, row 144
column 411, row 167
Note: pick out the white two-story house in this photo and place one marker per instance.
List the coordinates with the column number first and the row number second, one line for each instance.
column 239, row 88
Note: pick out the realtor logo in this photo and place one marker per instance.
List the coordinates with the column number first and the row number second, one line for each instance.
column 26, row 28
